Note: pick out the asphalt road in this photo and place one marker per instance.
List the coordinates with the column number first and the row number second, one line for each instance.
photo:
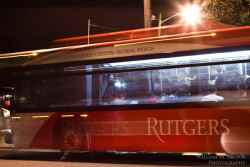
column 11, row 157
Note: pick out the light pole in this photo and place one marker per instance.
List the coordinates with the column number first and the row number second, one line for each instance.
column 160, row 17
column 88, row 30
column 160, row 21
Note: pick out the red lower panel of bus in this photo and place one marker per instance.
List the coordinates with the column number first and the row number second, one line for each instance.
column 163, row 130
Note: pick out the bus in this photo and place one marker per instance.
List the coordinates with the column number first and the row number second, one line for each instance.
column 179, row 89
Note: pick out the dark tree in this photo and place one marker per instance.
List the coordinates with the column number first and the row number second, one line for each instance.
column 233, row 12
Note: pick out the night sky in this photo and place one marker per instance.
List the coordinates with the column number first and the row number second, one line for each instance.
column 33, row 24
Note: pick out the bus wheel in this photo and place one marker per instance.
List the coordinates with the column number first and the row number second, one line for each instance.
column 71, row 139
column 66, row 139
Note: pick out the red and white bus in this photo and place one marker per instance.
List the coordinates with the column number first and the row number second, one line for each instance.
column 170, row 90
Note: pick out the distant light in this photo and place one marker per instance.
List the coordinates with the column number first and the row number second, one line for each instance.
column 19, row 55
column 64, row 116
column 191, row 13
column 221, row 154
column 34, row 54
column 84, row 115
column 8, row 96
column 192, row 153
column 42, row 116
column 106, row 65
column 118, row 84
column 16, row 117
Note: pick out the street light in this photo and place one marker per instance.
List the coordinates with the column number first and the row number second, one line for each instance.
column 190, row 14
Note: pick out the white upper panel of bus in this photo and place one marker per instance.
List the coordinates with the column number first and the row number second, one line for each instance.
column 131, row 47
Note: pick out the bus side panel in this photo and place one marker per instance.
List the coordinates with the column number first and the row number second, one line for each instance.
column 26, row 126
column 164, row 130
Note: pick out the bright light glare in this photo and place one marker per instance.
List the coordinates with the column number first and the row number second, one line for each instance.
column 118, row 84
column 191, row 14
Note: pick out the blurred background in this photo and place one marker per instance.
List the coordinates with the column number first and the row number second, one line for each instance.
column 29, row 24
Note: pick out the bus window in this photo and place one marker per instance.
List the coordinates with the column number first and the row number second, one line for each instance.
column 52, row 92
column 231, row 83
column 182, row 84
column 214, row 72
column 199, row 80
column 187, row 84
column 132, row 85
column 248, row 68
